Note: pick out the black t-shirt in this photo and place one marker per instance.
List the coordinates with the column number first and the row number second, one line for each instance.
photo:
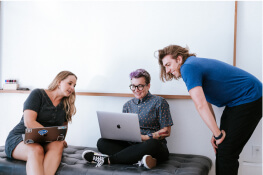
column 47, row 113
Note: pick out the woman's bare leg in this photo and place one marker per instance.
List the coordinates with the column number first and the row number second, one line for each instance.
column 53, row 154
column 33, row 154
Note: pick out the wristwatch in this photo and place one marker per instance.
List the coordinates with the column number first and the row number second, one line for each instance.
column 219, row 137
column 150, row 135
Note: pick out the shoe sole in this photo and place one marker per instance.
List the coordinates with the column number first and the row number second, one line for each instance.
column 85, row 153
column 150, row 162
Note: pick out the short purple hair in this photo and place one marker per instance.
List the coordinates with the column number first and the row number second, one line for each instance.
column 141, row 73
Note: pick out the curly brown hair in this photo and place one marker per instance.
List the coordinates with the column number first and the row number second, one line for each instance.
column 174, row 51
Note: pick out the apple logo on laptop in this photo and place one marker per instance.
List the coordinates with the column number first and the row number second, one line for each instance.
column 119, row 126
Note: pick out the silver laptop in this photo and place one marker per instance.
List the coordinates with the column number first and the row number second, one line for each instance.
column 45, row 134
column 119, row 126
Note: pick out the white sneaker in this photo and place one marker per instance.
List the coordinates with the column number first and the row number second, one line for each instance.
column 148, row 162
column 92, row 156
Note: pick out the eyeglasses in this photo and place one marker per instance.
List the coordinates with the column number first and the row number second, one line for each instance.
column 139, row 87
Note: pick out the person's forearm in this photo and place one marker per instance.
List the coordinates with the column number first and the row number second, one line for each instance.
column 212, row 110
column 161, row 134
column 208, row 118
column 155, row 136
column 33, row 124
column 206, row 112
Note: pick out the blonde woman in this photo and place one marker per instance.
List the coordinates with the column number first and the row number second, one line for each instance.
column 44, row 107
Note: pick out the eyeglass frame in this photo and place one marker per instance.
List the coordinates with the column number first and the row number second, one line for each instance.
column 138, row 86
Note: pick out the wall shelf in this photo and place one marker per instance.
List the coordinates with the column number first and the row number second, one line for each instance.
column 106, row 94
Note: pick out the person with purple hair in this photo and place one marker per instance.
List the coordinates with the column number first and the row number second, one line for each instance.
column 155, row 124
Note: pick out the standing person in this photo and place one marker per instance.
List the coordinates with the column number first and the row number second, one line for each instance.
column 209, row 82
column 155, row 124
column 43, row 108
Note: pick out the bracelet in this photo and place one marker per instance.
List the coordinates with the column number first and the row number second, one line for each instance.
column 150, row 135
column 219, row 137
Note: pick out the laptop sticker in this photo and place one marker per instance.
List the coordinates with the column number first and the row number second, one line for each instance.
column 29, row 141
column 42, row 132
column 60, row 137
column 28, row 130
column 62, row 127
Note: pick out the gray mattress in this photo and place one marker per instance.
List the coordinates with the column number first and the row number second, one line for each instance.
column 72, row 164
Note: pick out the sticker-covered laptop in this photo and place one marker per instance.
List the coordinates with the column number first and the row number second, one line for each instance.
column 45, row 134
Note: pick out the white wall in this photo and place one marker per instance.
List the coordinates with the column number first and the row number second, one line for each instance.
column 1, row 44
column 189, row 133
column 98, row 40
column 249, row 58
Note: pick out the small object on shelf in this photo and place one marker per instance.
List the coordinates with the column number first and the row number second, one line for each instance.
column 23, row 89
column 10, row 81
column 10, row 85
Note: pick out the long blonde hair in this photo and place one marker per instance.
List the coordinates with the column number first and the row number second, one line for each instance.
column 69, row 102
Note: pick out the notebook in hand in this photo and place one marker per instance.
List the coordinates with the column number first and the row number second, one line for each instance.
column 119, row 126
column 45, row 134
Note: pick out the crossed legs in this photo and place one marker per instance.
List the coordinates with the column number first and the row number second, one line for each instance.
column 122, row 152
column 41, row 160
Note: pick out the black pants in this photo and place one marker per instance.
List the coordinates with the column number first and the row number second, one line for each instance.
column 239, row 122
column 122, row 152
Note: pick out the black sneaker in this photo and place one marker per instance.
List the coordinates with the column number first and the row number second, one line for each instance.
column 92, row 156
column 148, row 162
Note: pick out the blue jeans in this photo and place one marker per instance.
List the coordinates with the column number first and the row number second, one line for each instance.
column 122, row 152
column 239, row 122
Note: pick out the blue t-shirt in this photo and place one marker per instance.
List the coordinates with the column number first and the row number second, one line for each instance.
column 223, row 84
